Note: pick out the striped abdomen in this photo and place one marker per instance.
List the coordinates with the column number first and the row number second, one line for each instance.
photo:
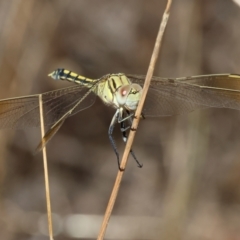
column 70, row 76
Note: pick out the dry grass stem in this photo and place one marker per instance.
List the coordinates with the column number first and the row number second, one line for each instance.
column 135, row 121
column 47, row 188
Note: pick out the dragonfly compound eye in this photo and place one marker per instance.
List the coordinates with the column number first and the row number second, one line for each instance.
column 133, row 97
column 124, row 90
column 122, row 94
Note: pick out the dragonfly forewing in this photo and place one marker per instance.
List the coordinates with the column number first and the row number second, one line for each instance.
column 24, row 111
column 177, row 96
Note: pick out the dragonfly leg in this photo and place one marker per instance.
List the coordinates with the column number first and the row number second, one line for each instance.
column 141, row 116
column 125, row 137
column 130, row 120
column 110, row 132
column 122, row 119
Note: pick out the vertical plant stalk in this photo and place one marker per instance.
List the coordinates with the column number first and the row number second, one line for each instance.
column 47, row 188
column 138, row 112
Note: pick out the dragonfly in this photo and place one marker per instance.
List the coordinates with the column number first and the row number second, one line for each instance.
column 166, row 97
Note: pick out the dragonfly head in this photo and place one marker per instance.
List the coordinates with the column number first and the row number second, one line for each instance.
column 129, row 96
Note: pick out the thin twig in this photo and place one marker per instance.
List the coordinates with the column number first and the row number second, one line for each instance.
column 135, row 122
column 47, row 188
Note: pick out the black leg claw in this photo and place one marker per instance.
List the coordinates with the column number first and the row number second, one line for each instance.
column 140, row 165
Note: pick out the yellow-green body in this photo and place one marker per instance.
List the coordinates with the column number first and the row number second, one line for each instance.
column 115, row 90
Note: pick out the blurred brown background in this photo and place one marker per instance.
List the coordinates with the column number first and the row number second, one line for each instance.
column 189, row 187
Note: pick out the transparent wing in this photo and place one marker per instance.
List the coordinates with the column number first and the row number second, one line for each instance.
column 176, row 96
column 23, row 112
